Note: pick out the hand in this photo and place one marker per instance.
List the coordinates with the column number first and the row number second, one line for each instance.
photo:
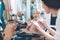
column 43, row 23
column 29, row 22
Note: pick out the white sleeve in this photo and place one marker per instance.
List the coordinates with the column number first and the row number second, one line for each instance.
column 57, row 35
column 58, row 22
column 47, row 18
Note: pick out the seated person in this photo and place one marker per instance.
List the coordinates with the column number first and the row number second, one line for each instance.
column 20, row 17
column 9, row 30
column 30, row 27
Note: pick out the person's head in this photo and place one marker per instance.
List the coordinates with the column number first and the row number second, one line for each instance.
column 36, row 14
column 19, row 13
column 47, row 10
column 51, row 5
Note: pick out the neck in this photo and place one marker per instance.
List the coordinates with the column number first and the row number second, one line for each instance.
column 54, row 12
column 36, row 18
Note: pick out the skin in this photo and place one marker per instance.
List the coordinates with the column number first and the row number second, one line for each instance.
column 54, row 11
column 36, row 15
column 8, row 30
column 19, row 13
column 42, row 32
column 47, row 10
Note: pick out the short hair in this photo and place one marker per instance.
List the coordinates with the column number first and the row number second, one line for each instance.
column 55, row 4
column 38, row 11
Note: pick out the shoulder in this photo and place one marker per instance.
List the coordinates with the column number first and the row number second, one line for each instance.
column 58, row 15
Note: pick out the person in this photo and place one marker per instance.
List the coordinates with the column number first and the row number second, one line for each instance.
column 50, row 19
column 32, row 8
column 9, row 30
column 54, row 8
column 17, row 10
column 30, row 27
column 20, row 17
column 2, row 8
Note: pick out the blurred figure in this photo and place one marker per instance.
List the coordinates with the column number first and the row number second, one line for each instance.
column 2, row 8
column 31, row 28
column 32, row 8
column 20, row 17
column 9, row 30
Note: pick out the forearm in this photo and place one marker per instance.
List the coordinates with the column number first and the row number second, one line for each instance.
column 42, row 32
column 48, row 28
column 51, row 30
column 46, row 35
column 28, row 26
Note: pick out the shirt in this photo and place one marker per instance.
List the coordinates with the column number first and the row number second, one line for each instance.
column 47, row 18
column 57, row 35
column 21, row 19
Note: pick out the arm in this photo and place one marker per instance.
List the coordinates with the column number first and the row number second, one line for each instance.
column 48, row 28
column 28, row 23
column 47, row 36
